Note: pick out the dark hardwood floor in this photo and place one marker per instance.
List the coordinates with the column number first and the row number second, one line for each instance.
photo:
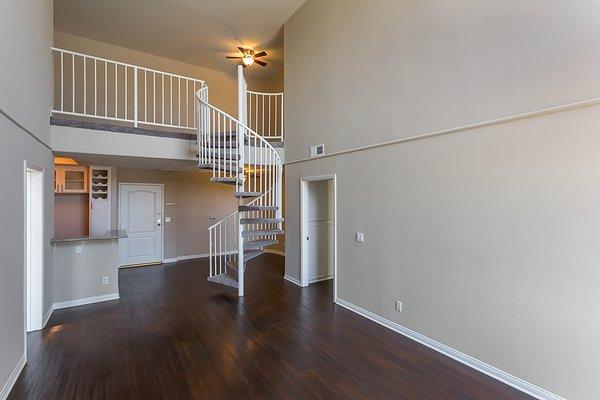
column 173, row 335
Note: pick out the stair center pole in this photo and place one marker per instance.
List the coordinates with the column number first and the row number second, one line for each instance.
column 240, row 136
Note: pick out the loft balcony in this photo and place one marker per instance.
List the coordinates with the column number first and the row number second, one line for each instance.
column 116, row 109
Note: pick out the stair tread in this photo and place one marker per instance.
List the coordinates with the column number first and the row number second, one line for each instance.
column 245, row 221
column 259, row 244
column 262, row 232
column 257, row 208
column 247, row 194
column 229, row 180
column 249, row 255
column 224, row 279
column 220, row 167
column 222, row 155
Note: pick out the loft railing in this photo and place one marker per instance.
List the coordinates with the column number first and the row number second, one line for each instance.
column 94, row 87
column 265, row 114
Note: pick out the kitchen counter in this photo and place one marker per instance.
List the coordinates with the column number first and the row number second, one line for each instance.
column 112, row 234
column 86, row 269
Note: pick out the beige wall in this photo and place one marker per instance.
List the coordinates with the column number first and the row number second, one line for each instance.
column 25, row 94
column 398, row 68
column 79, row 275
column 272, row 84
column 190, row 198
column 486, row 235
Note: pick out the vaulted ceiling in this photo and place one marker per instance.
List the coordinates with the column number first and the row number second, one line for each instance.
column 200, row 32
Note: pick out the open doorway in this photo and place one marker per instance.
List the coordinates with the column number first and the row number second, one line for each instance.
column 34, row 246
column 318, row 226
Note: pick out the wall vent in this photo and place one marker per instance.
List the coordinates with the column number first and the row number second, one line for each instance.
column 317, row 151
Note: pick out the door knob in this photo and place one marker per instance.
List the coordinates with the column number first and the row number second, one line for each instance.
column 158, row 222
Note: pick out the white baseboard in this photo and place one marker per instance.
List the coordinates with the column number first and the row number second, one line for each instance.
column 192, row 256
column 47, row 316
column 320, row 279
column 86, row 300
column 465, row 359
column 169, row 260
column 201, row 255
column 274, row 251
column 12, row 379
column 292, row 279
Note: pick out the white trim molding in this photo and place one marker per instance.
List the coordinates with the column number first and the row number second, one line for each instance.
column 320, row 279
column 196, row 256
column 12, row 379
column 85, row 300
column 275, row 251
column 487, row 369
column 292, row 279
column 502, row 120
column 47, row 316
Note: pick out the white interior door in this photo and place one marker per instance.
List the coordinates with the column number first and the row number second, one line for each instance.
column 141, row 214
column 320, row 231
column 34, row 252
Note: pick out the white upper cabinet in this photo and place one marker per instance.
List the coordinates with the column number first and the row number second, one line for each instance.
column 71, row 179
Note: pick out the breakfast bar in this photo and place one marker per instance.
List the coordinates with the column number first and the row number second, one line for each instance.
column 86, row 268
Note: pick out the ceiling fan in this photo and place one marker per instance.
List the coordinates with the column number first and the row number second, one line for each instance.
column 249, row 57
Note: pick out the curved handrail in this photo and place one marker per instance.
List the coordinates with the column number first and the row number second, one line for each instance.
column 235, row 120
column 222, row 147
column 266, row 93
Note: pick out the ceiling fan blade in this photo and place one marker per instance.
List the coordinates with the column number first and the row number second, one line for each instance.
column 236, row 58
column 264, row 64
column 261, row 54
column 242, row 50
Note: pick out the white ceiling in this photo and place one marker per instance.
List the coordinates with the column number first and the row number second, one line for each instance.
column 200, row 32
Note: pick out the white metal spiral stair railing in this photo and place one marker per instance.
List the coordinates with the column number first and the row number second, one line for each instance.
column 238, row 156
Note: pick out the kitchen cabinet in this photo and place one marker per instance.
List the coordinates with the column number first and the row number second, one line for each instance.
column 100, row 199
column 71, row 179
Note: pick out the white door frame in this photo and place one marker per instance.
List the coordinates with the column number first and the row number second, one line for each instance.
column 162, row 213
column 33, row 314
column 304, row 270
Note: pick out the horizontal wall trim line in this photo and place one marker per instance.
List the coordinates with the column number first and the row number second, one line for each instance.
column 85, row 300
column 491, row 122
column 465, row 359
column 24, row 128
column 12, row 379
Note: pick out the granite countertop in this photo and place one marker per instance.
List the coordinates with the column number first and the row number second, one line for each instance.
column 112, row 234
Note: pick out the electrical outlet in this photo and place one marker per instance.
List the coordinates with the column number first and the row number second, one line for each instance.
column 105, row 280
column 398, row 305
column 167, row 219
column 78, row 248
column 360, row 237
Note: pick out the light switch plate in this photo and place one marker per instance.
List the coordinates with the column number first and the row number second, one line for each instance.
column 78, row 248
column 398, row 305
column 212, row 216
column 167, row 219
column 360, row 237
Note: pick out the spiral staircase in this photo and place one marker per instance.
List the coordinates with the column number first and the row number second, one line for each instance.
column 237, row 155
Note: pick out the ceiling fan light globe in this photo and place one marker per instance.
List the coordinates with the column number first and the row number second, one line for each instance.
column 248, row 60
